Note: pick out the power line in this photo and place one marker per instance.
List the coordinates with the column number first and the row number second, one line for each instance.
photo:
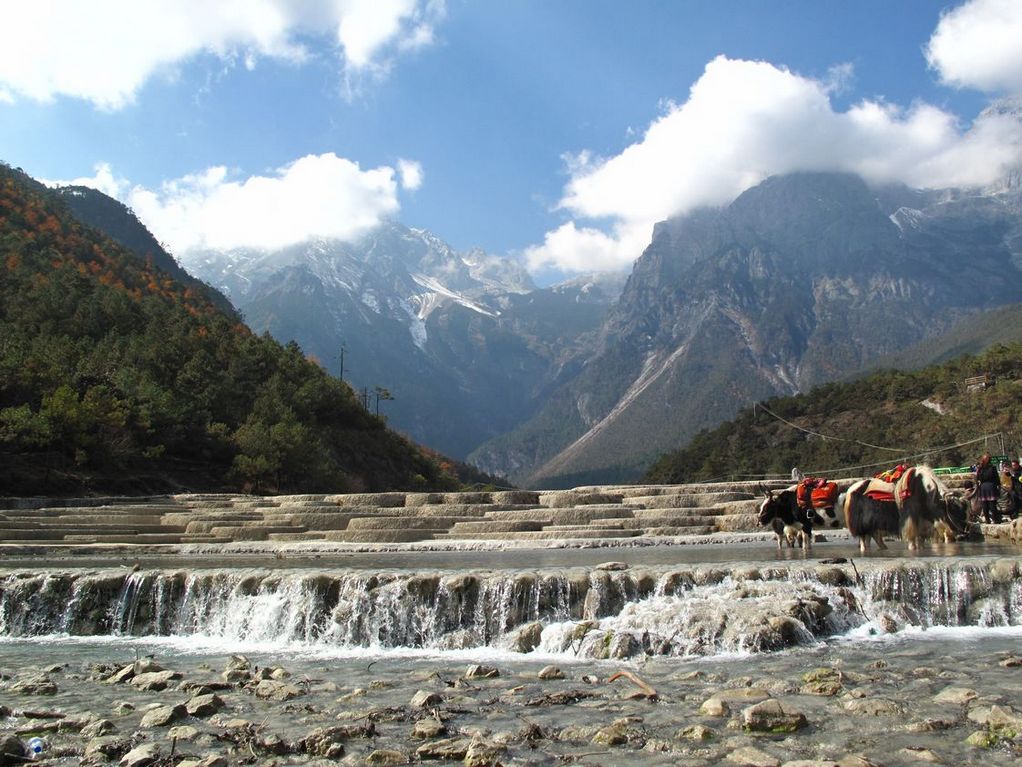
column 768, row 411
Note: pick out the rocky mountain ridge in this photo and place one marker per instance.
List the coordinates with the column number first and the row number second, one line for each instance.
column 802, row 279
column 464, row 341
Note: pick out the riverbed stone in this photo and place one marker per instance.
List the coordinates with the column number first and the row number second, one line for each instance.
column 143, row 755
column 428, row 728
column 982, row 739
column 956, row 695
column 96, row 728
column 104, row 748
column 714, row 706
column 750, row 756
column 695, row 732
column 810, row 763
column 922, row 754
column 150, row 681
column 478, row 671
column 453, row 749
column 550, row 672
column 383, row 757
column 126, row 673
column 146, row 666
column 183, row 732
column 483, row 753
column 204, row 705
column 36, row 684
column 995, row 717
column 13, row 750
column 870, row 706
column 771, row 716
column 425, row 699
column 526, row 638
column 163, row 716
column 270, row 689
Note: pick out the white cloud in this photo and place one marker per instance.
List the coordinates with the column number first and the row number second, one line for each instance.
column 410, row 173
column 744, row 121
column 104, row 180
column 105, row 50
column 314, row 196
column 979, row 45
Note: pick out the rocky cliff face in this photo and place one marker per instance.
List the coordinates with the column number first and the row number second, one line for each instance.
column 801, row 280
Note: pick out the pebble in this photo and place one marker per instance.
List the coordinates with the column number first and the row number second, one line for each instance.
column 424, row 698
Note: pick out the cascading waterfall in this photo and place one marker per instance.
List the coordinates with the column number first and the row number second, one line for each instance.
column 686, row 611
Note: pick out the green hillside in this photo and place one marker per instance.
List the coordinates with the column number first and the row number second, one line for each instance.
column 827, row 426
column 115, row 377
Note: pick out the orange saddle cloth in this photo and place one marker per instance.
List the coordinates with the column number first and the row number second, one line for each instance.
column 816, row 493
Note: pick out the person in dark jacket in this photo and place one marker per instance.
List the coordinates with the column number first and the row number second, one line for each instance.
column 989, row 489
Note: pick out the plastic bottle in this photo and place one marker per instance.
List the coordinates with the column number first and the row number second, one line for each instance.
column 36, row 746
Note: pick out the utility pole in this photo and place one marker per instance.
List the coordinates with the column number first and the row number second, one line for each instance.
column 344, row 348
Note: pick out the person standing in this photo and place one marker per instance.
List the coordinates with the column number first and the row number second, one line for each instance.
column 989, row 489
column 1015, row 472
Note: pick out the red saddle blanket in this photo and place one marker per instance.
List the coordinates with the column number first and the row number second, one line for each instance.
column 881, row 490
column 816, row 493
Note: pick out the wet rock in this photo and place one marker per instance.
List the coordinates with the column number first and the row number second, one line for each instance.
column 123, row 708
column 183, row 732
column 269, row 689
column 923, row 754
column 425, row 699
column 12, row 750
column 931, row 725
column 146, row 666
column 577, row 733
column 550, row 672
column 213, row 760
column 714, row 707
column 97, row 728
column 102, row 749
column 382, row 757
column 204, row 705
column 982, row 739
column 956, row 695
column 154, row 680
column 38, row 684
column 329, row 741
column 749, row 756
column 771, row 716
column 279, row 673
column 236, row 676
column 163, row 716
column 996, row 717
column 525, row 638
column 811, row 763
column 612, row 566
column 481, row 672
column 482, row 753
column 874, row 707
column 142, row 756
column 613, row 735
column 695, row 732
column 623, row 645
column 1013, row 661
column 856, row 760
column 274, row 744
column 452, row 749
column 425, row 729
column 126, row 673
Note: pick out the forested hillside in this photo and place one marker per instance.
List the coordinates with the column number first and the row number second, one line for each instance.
column 115, row 377
column 920, row 415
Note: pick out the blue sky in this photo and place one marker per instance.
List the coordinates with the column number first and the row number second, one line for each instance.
column 554, row 131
